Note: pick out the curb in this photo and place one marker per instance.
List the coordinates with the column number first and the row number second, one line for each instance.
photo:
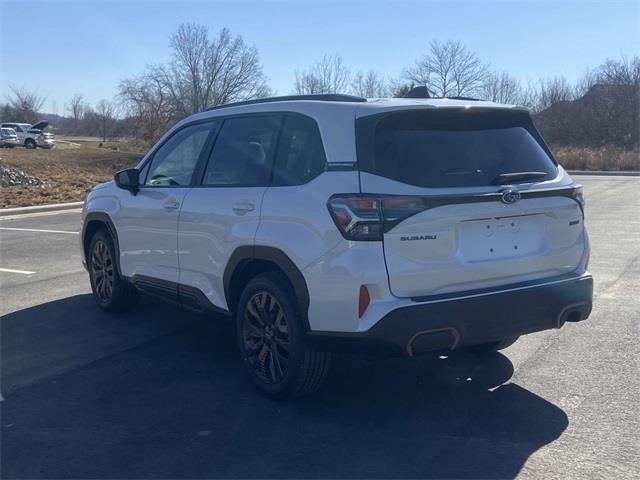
column 610, row 173
column 39, row 208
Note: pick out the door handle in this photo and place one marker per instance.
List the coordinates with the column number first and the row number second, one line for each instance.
column 242, row 208
column 171, row 204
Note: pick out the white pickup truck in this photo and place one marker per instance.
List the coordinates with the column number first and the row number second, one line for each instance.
column 32, row 136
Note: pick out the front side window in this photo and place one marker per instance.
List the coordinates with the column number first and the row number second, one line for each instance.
column 243, row 152
column 300, row 156
column 174, row 162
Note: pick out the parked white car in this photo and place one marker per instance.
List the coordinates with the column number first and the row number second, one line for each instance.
column 331, row 222
column 8, row 138
column 32, row 136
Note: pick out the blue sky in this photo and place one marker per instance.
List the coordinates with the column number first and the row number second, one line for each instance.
column 87, row 47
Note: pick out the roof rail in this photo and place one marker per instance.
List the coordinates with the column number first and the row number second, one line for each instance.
column 464, row 98
column 324, row 97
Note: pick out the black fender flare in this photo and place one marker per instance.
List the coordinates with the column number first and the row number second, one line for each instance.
column 105, row 219
column 277, row 257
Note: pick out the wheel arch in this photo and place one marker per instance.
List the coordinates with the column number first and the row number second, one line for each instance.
column 249, row 261
column 93, row 222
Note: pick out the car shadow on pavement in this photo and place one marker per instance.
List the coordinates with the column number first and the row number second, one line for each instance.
column 161, row 393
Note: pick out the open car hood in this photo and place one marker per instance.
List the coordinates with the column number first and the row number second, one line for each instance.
column 39, row 126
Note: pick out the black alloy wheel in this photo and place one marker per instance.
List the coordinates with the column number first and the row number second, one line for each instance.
column 102, row 271
column 266, row 337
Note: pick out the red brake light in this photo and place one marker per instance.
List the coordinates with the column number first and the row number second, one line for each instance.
column 367, row 217
column 578, row 196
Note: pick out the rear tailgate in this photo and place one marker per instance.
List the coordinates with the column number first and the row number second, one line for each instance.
column 477, row 200
column 470, row 246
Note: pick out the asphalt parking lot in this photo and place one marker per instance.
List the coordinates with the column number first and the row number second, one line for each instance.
column 160, row 392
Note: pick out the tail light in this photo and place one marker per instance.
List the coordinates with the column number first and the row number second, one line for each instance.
column 579, row 197
column 367, row 218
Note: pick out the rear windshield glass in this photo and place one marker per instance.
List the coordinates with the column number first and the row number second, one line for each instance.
column 460, row 148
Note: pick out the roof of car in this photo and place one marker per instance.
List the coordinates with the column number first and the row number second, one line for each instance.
column 312, row 104
column 335, row 114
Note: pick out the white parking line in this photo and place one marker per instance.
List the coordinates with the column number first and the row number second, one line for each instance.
column 39, row 214
column 37, row 230
column 11, row 270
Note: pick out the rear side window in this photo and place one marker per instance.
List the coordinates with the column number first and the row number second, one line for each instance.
column 300, row 157
column 243, row 152
column 460, row 148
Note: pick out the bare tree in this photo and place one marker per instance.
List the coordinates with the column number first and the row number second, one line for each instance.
column 502, row 88
column 206, row 73
column 203, row 72
column 76, row 108
column 24, row 105
column 529, row 95
column 147, row 100
column 369, row 85
column 625, row 71
column 449, row 69
column 328, row 75
column 553, row 90
column 105, row 118
column 398, row 87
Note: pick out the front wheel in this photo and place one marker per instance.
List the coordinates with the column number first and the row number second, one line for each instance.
column 30, row 143
column 271, row 340
column 112, row 293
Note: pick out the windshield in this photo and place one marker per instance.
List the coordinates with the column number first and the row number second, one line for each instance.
column 452, row 149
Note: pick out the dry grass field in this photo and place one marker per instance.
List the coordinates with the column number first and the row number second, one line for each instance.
column 603, row 158
column 77, row 164
column 70, row 169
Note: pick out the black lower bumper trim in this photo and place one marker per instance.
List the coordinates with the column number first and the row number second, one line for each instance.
column 469, row 320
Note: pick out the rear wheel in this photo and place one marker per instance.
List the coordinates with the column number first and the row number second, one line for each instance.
column 271, row 340
column 492, row 347
column 30, row 143
column 112, row 293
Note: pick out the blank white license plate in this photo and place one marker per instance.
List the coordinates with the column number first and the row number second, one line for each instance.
column 500, row 238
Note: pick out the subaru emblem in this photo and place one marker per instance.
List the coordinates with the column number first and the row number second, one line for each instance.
column 510, row 196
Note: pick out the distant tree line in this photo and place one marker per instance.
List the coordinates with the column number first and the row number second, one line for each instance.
column 102, row 120
column 205, row 71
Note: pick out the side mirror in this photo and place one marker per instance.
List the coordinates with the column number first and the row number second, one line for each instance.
column 128, row 179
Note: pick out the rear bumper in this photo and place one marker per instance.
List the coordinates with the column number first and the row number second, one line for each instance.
column 449, row 323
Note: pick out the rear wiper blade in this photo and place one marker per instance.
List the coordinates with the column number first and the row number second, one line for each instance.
column 516, row 176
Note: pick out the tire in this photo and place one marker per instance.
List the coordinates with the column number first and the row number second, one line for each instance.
column 29, row 143
column 271, row 340
column 492, row 347
column 111, row 292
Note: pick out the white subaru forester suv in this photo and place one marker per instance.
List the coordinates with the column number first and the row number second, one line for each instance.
column 330, row 222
